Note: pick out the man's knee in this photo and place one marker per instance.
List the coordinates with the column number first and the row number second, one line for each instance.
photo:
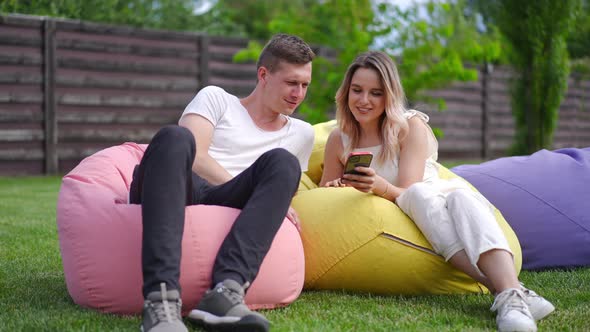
column 282, row 159
column 283, row 164
column 175, row 137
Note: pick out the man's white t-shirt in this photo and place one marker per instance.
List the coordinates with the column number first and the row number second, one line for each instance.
column 237, row 141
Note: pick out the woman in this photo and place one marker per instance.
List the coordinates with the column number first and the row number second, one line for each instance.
column 457, row 221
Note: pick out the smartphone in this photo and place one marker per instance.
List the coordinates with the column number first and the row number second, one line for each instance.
column 361, row 158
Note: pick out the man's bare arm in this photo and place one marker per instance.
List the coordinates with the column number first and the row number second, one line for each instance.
column 207, row 167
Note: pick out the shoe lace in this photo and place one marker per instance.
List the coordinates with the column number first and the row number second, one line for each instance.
column 166, row 310
column 235, row 296
column 510, row 299
column 527, row 292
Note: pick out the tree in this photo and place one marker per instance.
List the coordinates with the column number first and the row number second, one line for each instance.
column 578, row 41
column 433, row 41
column 155, row 14
column 250, row 18
column 438, row 43
column 343, row 28
column 536, row 33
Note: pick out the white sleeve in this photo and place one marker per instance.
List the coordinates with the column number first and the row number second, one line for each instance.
column 208, row 103
column 308, row 138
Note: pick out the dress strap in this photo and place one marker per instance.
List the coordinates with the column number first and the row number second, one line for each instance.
column 412, row 113
column 432, row 142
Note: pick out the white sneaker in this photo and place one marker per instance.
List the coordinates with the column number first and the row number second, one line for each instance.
column 513, row 312
column 538, row 306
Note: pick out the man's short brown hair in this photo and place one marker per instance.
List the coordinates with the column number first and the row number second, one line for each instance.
column 284, row 47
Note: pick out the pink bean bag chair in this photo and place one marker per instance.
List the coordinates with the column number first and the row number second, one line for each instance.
column 100, row 242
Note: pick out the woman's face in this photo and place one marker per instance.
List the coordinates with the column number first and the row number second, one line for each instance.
column 366, row 96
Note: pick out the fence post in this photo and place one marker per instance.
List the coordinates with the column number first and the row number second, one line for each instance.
column 485, row 117
column 49, row 107
column 203, row 61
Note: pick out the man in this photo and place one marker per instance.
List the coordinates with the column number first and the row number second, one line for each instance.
column 241, row 153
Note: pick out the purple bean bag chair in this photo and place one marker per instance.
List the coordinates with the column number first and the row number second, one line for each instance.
column 545, row 197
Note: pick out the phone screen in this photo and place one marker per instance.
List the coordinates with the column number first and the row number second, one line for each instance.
column 357, row 159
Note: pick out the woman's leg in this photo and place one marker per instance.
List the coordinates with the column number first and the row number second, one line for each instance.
column 498, row 266
column 446, row 221
column 485, row 244
column 427, row 207
column 487, row 248
column 461, row 262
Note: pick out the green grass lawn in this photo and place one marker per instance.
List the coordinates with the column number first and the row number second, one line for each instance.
column 33, row 294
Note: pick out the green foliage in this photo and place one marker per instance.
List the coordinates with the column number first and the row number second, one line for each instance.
column 581, row 67
column 578, row 42
column 250, row 18
column 156, row 14
column 438, row 133
column 250, row 53
column 536, row 32
column 435, row 40
column 345, row 27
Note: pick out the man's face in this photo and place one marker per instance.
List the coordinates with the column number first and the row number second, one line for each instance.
column 286, row 87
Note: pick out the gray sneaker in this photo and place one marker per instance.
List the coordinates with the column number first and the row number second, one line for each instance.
column 223, row 309
column 161, row 312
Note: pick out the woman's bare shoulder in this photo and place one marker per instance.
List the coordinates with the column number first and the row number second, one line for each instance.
column 335, row 135
column 417, row 131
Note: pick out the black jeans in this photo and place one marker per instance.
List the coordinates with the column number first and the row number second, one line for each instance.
column 164, row 183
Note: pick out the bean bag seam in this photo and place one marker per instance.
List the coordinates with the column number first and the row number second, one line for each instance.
column 408, row 243
column 533, row 195
column 341, row 258
column 479, row 286
column 412, row 245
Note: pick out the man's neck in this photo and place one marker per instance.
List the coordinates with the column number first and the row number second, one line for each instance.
column 264, row 118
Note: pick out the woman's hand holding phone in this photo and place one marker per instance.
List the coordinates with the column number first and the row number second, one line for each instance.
column 358, row 173
column 364, row 180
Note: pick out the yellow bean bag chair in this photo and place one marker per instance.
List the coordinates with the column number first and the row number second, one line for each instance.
column 361, row 242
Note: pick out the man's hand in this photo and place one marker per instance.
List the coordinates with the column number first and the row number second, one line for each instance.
column 294, row 218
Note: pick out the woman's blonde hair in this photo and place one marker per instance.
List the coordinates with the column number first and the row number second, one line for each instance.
column 393, row 125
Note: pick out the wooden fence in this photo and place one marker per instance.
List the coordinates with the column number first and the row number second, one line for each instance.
column 70, row 88
column 478, row 123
